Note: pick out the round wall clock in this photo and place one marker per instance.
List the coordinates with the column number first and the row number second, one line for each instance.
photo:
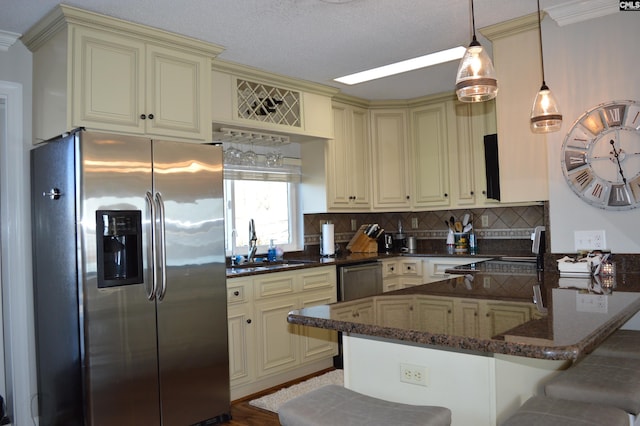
column 601, row 156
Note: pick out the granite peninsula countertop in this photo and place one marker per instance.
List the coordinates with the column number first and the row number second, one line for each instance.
column 492, row 311
column 303, row 260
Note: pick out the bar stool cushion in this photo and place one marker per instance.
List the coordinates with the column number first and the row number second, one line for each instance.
column 337, row 406
column 622, row 343
column 600, row 380
column 544, row 411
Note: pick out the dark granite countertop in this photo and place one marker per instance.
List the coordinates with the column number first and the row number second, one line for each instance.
column 300, row 260
column 572, row 316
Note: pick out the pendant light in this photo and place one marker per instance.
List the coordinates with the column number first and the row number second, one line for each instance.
column 476, row 80
column 545, row 115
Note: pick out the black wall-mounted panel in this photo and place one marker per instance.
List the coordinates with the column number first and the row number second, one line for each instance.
column 492, row 168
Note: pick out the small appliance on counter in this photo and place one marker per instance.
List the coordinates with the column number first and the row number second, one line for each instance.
column 399, row 239
column 385, row 243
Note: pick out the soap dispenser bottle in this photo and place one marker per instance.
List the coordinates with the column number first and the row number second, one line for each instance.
column 271, row 253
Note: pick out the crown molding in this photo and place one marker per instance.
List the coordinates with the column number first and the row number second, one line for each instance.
column 581, row 10
column 7, row 40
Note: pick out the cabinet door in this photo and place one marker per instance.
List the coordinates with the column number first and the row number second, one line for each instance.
column 178, row 94
column 397, row 312
column 391, row 176
column 347, row 159
column 360, row 155
column 241, row 353
column 108, row 81
column 505, row 316
column 361, row 312
column 467, row 318
column 462, row 154
column 430, row 164
column 317, row 343
column 337, row 160
column 278, row 344
column 434, row 315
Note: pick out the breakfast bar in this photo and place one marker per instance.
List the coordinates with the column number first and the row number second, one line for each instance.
column 480, row 343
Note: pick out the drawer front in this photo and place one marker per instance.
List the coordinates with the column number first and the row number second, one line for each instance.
column 390, row 269
column 412, row 267
column 238, row 291
column 280, row 284
column 320, row 278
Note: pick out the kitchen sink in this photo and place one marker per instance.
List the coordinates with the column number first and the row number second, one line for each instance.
column 267, row 266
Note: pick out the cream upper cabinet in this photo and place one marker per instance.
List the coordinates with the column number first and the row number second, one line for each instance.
column 468, row 124
column 523, row 154
column 257, row 100
column 391, row 153
column 430, row 156
column 347, row 159
column 128, row 86
column 106, row 74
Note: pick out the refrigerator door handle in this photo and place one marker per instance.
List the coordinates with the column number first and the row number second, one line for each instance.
column 161, row 245
column 152, row 244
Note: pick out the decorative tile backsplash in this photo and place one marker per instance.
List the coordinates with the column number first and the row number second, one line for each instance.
column 503, row 223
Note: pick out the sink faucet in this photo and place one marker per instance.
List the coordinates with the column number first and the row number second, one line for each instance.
column 252, row 241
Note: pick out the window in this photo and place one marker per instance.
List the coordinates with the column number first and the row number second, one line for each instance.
column 268, row 199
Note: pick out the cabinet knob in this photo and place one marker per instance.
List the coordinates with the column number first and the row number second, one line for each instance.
column 249, row 321
column 471, row 192
column 150, row 116
column 446, row 195
column 484, row 192
column 408, row 197
column 143, row 117
column 236, row 293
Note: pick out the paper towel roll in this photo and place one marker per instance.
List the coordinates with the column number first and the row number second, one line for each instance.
column 328, row 243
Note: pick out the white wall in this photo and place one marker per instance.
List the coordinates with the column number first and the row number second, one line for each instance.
column 15, row 67
column 588, row 63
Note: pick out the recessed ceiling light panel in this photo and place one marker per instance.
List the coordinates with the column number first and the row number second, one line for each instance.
column 448, row 55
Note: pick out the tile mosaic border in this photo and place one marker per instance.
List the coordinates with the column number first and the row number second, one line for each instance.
column 440, row 234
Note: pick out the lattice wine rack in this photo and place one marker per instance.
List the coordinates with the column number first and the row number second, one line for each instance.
column 264, row 103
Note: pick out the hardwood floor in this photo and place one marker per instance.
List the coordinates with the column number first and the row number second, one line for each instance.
column 243, row 414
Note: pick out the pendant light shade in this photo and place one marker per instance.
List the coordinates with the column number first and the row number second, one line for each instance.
column 545, row 113
column 476, row 79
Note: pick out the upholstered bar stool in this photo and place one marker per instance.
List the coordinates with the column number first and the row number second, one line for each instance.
column 545, row 411
column 337, row 406
column 622, row 343
column 600, row 380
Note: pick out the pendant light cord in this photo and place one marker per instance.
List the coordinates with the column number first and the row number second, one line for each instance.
column 473, row 21
column 540, row 36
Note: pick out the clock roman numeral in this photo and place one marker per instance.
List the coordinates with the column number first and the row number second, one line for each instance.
column 619, row 196
column 582, row 179
column 614, row 115
column 574, row 159
column 632, row 118
column 597, row 190
column 635, row 189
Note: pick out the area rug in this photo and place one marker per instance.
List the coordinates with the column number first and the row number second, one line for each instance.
column 274, row 400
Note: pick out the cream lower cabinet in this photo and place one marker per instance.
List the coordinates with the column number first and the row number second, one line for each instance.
column 347, row 158
column 482, row 319
column 402, row 272
column 359, row 311
column 110, row 75
column 264, row 349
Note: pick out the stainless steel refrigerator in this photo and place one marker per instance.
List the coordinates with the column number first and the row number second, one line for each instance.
column 129, row 282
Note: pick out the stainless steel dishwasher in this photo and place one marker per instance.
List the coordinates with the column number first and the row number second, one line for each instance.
column 359, row 280
column 354, row 282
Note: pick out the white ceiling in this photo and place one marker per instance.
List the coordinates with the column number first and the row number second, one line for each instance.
column 314, row 40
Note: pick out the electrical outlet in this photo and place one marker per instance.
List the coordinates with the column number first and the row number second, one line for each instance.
column 414, row 223
column 486, row 282
column 589, row 240
column 485, row 220
column 354, row 225
column 414, row 374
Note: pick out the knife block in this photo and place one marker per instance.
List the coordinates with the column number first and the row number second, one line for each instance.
column 362, row 243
